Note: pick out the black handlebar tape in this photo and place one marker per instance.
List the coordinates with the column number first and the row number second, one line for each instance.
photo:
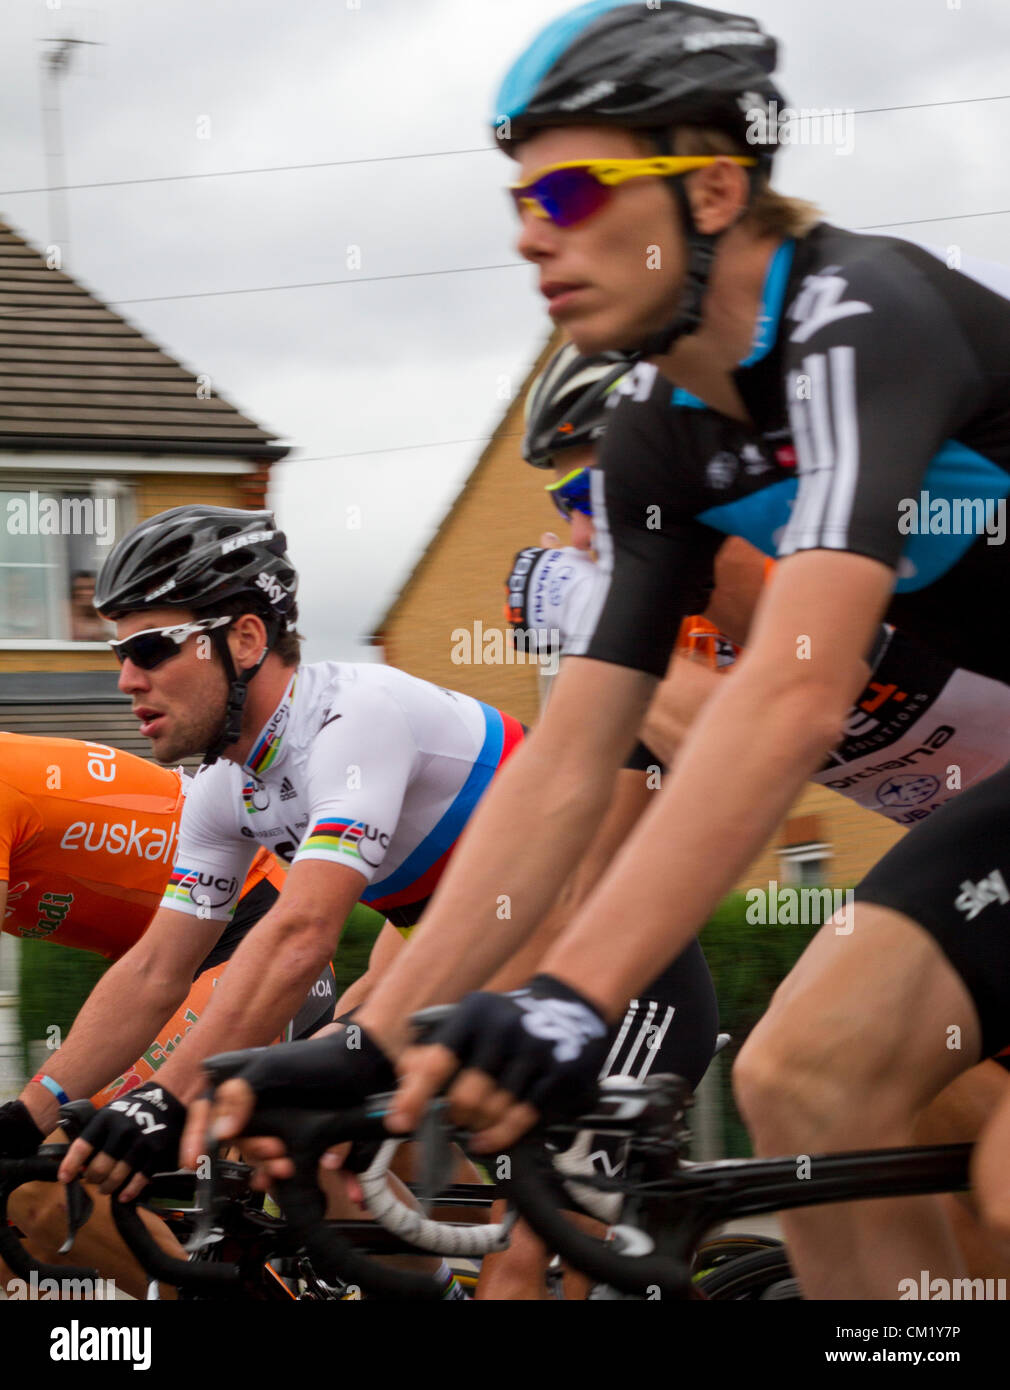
column 13, row 1173
column 307, row 1134
column 159, row 1264
column 335, row 1258
column 533, row 1190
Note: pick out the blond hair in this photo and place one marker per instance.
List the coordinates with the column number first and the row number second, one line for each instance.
column 769, row 214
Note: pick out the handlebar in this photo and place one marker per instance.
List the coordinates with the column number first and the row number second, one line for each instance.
column 186, row 1275
column 440, row 1237
column 540, row 1199
column 307, row 1135
column 14, row 1172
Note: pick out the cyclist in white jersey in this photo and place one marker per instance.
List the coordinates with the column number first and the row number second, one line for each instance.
column 360, row 777
column 359, row 765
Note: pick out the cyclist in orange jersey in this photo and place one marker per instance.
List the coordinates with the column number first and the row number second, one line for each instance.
column 87, row 838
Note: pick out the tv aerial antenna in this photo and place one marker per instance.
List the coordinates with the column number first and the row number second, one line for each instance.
column 56, row 61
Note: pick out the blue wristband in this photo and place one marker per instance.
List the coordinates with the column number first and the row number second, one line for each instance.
column 53, row 1087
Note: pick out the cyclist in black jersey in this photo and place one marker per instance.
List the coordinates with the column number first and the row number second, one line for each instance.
column 870, row 383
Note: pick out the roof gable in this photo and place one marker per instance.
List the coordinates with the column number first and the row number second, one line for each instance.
column 75, row 375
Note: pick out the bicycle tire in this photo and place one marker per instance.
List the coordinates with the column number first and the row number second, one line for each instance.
column 717, row 1250
column 748, row 1277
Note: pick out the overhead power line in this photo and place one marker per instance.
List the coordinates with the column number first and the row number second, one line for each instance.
column 424, row 154
column 402, row 448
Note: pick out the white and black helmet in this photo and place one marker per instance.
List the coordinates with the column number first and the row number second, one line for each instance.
column 565, row 405
column 194, row 557
column 201, row 558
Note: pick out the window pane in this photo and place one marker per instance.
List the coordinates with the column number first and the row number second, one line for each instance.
column 31, row 569
column 53, row 541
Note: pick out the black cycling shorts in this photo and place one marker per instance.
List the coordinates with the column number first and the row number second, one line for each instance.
column 951, row 875
column 671, row 1026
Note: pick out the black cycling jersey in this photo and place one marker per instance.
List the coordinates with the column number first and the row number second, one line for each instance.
column 879, row 390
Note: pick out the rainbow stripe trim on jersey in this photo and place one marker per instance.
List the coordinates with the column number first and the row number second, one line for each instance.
column 335, row 836
column 179, row 876
column 416, row 877
column 268, row 745
column 179, row 890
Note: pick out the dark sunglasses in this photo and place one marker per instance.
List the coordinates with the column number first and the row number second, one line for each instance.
column 568, row 193
column 571, row 493
column 156, row 645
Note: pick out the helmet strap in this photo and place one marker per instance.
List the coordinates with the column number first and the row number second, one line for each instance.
column 230, row 730
column 701, row 250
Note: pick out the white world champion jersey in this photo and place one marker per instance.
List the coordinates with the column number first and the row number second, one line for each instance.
column 361, row 765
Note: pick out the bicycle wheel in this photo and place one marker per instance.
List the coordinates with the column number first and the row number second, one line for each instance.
column 763, row 1274
column 714, row 1253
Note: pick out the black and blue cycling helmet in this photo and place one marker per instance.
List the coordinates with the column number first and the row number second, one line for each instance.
column 623, row 63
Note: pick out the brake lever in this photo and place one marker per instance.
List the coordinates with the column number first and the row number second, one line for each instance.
column 79, row 1209
column 436, row 1164
column 205, row 1196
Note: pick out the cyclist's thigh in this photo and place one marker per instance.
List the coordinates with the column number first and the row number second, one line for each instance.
column 879, row 1006
column 962, row 1110
column 951, row 877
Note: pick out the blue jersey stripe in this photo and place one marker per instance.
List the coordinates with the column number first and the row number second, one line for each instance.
column 767, row 325
column 760, row 517
column 772, row 298
column 955, row 473
column 448, row 830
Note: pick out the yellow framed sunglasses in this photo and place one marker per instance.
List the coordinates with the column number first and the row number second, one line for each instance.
column 568, row 193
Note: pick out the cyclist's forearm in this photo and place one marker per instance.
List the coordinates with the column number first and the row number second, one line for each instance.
column 676, row 704
column 500, row 884
column 265, row 984
column 122, row 1014
column 698, row 837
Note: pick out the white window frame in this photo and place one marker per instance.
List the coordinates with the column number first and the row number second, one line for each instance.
column 810, row 852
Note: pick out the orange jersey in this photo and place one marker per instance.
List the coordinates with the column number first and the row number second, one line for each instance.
column 87, row 838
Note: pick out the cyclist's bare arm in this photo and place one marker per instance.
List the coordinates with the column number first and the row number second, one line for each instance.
column 272, row 970
column 630, row 797
column 385, row 950
column 491, row 897
column 739, row 581
column 125, row 1010
column 687, row 687
column 772, row 723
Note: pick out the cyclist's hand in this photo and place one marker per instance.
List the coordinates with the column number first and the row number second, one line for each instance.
column 331, row 1073
column 137, row 1135
column 533, row 1051
column 19, row 1134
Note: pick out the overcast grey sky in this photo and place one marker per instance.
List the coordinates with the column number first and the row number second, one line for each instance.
column 369, row 370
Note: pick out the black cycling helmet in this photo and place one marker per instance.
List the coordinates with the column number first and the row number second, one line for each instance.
column 565, row 405
column 193, row 557
column 197, row 557
column 621, row 63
